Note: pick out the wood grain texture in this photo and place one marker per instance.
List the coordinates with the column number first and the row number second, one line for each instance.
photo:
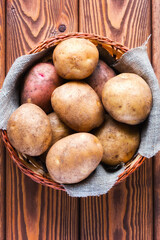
column 155, row 63
column 156, row 36
column 2, row 149
column 2, row 41
column 126, row 212
column 36, row 212
column 2, row 190
column 32, row 211
column 120, row 20
column 156, row 197
column 30, row 22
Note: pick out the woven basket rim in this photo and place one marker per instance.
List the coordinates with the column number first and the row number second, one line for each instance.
column 48, row 42
column 116, row 49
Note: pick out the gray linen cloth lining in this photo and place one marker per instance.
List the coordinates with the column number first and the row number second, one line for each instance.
column 135, row 61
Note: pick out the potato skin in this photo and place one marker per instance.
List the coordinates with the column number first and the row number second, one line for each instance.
column 75, row 58
column 78, row 106
column 59, row 129
column 73, row 158
column 39, row 83
column 120, row 141
column 127, row 98
column 100, row 76
column 29, row 130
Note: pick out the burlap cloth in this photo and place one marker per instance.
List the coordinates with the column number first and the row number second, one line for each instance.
column 135, row 61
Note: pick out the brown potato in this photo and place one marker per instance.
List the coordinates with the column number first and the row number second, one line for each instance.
column 120, row 141
column 100, row 76
column 73, row 158
column 78, row 106
column 39, row 84
column 29, row 130
column 75, row 58
column 59, row 129
column 127, row 98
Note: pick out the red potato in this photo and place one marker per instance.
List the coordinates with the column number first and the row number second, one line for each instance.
column 100, row 76
column 39, row 84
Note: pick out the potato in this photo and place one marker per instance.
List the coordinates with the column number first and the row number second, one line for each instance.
column 100, row 76
column 29, row 130
column 127, row 98
column 75, row 58
column 78, row 106
column 59, row 129
column 120, row 141
column 73, row 158
column 39, row 84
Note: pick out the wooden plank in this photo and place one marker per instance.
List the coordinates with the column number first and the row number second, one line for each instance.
column 32, row 211
column 2, row 41
column 2, row 190
column 156, row 165
column 2, row 149
column 155, row 36
column 123, row 21
column 126, row 211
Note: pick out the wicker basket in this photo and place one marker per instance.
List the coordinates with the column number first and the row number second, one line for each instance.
column 35, row 168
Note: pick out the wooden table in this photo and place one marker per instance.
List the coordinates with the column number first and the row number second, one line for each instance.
column 30, row 211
